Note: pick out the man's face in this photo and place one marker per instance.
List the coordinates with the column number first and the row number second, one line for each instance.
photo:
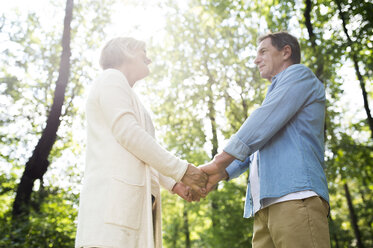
column 269, row 60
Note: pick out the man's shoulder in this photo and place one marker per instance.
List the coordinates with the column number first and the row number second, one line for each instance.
column 298, row 72
column 302, row 75
column 299, row 68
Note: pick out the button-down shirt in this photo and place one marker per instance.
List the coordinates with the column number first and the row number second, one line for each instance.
column 288, row 131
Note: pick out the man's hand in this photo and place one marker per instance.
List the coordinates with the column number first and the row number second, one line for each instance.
column 215, row 173
column 183, row 191
column 216, row 169
column 195, row 196
column 196, row 179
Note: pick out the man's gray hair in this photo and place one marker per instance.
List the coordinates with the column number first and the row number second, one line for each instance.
column 281, row 39
column 118, row 50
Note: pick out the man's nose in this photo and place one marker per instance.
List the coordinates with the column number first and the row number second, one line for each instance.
column 148, row 61
column 256, row 61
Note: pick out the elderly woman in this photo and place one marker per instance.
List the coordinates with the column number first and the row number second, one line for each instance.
column 120, row 203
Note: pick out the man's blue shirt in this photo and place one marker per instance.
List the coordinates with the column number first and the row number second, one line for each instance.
column 288, row 131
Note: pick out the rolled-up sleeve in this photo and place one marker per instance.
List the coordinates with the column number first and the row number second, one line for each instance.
column 237, row 167
column 237, row 148
column 289, row 92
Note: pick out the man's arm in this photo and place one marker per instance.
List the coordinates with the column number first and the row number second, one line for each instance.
column 289, row 95
column 295, row 87
column 237, row 167
column 218, row 171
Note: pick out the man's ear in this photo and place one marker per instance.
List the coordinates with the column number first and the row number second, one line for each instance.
column 286, row 52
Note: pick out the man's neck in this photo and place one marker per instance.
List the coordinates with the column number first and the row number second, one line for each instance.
column 283, row 68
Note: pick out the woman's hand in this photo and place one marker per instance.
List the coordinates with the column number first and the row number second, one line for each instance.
column 183, row 191
column 196, row 179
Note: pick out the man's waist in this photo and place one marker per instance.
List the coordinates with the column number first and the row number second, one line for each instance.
column 266, row 202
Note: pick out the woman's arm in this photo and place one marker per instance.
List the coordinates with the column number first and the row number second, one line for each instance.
column 115, row 100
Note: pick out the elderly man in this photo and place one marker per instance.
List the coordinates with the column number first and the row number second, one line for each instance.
column 283, row 144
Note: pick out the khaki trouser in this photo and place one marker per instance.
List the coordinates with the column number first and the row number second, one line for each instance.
column 295, row 223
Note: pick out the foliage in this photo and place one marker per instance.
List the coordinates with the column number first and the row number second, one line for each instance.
column 202, row 87
column 204, row 58
column 32, row 47
column 209, row 85
column 233, row 230
column 49, row 225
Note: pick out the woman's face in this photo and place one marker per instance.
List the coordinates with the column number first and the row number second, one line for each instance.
column 140, row 64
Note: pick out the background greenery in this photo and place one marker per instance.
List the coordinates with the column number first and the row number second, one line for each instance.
column 202, row 87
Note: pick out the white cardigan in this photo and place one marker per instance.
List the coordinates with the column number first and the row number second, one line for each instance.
column 124, row 166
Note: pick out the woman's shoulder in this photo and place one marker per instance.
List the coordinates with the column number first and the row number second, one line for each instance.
column 112, row 78
column 112, row 72
column 111, row 75
column 109, row 80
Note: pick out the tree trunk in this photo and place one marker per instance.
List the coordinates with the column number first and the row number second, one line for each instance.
column 212, row 117
column 364, row 93
column 334, row 233
column 38, row 163
column 186, row 227
column 214, row 149
column 307, row 18
column 366, row 203
column 357, row 69
column 214, row 140
column 320, row 61
column 312, row 37
column 353, row 217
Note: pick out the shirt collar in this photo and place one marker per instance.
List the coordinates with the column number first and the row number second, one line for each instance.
column 279, row 74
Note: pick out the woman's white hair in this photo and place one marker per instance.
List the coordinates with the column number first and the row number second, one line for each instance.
column 118, row 50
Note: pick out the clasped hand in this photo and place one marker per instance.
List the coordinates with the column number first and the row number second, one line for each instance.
column 198, row 182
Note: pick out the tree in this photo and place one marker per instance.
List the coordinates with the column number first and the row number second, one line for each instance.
column 353, row 54
column 28, row 76
column 208, row 87
column 202, row 88
column 38, row 163
column 194, row 36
